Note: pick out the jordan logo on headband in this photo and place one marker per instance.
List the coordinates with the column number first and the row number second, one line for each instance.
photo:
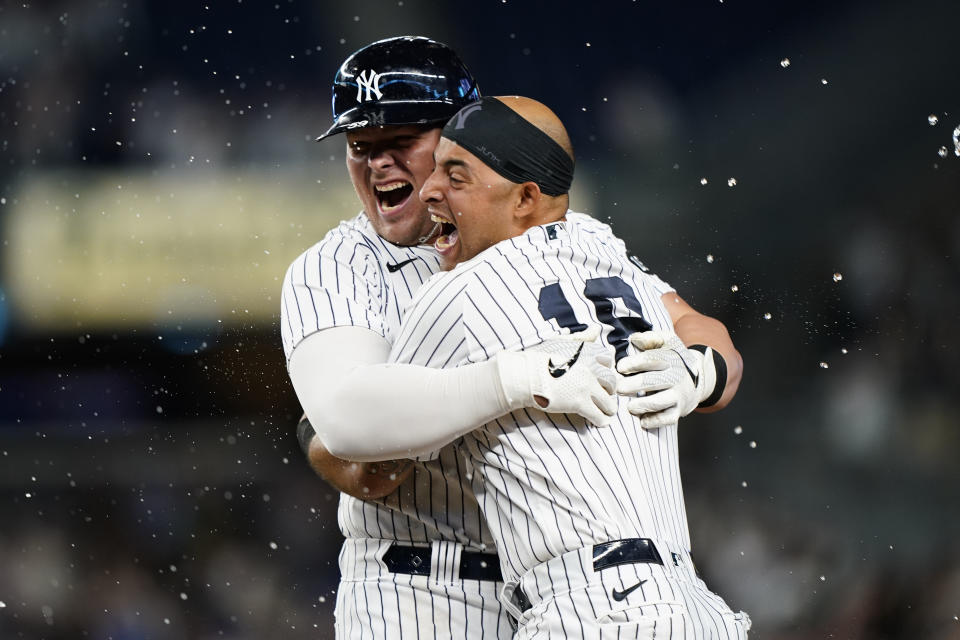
column 369, row 80
column 463, row 113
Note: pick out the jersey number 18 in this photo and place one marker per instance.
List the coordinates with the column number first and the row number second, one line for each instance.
column 553, row 305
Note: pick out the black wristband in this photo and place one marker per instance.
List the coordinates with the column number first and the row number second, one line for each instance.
column 720, row 365
column 305, row 433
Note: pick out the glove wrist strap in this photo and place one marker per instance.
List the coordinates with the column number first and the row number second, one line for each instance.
column 720, row 366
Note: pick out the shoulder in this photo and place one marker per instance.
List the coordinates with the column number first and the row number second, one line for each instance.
column 355, row 245
column 589, row 227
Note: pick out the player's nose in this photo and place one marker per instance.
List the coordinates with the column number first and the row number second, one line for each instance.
column 430, row 192
column 380, row 159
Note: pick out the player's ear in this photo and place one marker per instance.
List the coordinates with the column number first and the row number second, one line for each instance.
column 527, row 200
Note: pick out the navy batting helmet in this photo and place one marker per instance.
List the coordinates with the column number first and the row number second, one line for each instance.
column 403, row 80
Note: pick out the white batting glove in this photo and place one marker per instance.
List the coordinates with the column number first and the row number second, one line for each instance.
column 671, row 379
column 572, row 373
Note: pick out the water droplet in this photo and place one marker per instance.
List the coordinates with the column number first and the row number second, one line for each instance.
column 823, row 81
column 785, row 63
column 932, row 119
column 753, row 444
column 183, row 596
column 159, row 409
column 942, row 152
column 767, row 315
column 824, row 365
column 956, row 141
column 273, row 545
column 734, row 288
column 823, row 578
column 703, row 181
column 743, row 484
column 738, row 429
column 844, row 351
column 166, row 621
column 837, row 277
column 322, row 599
column 731, row 182
column 710, row 258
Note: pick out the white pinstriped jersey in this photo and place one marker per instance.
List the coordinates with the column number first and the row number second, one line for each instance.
column 352, row 278
column 551, row 484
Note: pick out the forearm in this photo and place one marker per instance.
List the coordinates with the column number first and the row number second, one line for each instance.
column 364, row 480
column 363, row 409
column 696, row 328
column 692, row 327
column 387, row 411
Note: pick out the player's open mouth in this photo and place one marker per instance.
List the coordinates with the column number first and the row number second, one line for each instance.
column 392, row 195
column 449, row 234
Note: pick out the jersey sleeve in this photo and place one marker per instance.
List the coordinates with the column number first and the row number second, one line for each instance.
column 337, row 282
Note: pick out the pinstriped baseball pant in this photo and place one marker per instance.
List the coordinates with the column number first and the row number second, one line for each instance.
column 375, row 604
column 568, row 599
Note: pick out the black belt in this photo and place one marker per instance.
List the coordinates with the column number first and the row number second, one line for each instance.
column 606, row 555
column 416, row 561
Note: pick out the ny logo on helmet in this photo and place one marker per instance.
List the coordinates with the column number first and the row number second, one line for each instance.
column 369, row 80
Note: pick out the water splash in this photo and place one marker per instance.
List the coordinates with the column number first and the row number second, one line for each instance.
column 932, row 119
column 785, row 63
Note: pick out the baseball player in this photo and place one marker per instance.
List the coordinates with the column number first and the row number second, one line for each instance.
column 418, row 560
column 417, row 557
column 590, row 524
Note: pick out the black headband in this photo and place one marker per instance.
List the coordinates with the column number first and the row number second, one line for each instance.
column 511, row 146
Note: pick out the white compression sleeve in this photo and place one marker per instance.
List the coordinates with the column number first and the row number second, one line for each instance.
column 363, row 409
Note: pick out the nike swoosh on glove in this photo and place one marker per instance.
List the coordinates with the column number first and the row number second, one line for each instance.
column 670, row 379
column 573, row 373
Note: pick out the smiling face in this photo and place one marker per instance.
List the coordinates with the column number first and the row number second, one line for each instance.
column 475, row 204
column 387, row 166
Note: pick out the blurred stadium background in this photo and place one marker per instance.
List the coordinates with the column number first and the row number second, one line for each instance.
column 790, row 168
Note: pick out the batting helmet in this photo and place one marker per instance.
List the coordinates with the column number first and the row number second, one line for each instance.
column 403, row 80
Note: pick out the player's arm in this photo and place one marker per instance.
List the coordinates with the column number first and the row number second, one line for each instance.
column 695, row 328
column 698, row 369
column 367, row 410
column 364, row 480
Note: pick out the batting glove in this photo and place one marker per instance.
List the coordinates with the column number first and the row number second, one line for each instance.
column 570, row 374
column 671, row 379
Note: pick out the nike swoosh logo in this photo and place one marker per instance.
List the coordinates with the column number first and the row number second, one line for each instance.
column 620, row 595
column 393, row 268
column 556, row 371
column 693, row 377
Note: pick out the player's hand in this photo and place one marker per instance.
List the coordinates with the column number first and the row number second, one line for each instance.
column 567, row 374
column 670, row 379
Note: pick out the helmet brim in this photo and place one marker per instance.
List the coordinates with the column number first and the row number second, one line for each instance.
column 393, row 113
